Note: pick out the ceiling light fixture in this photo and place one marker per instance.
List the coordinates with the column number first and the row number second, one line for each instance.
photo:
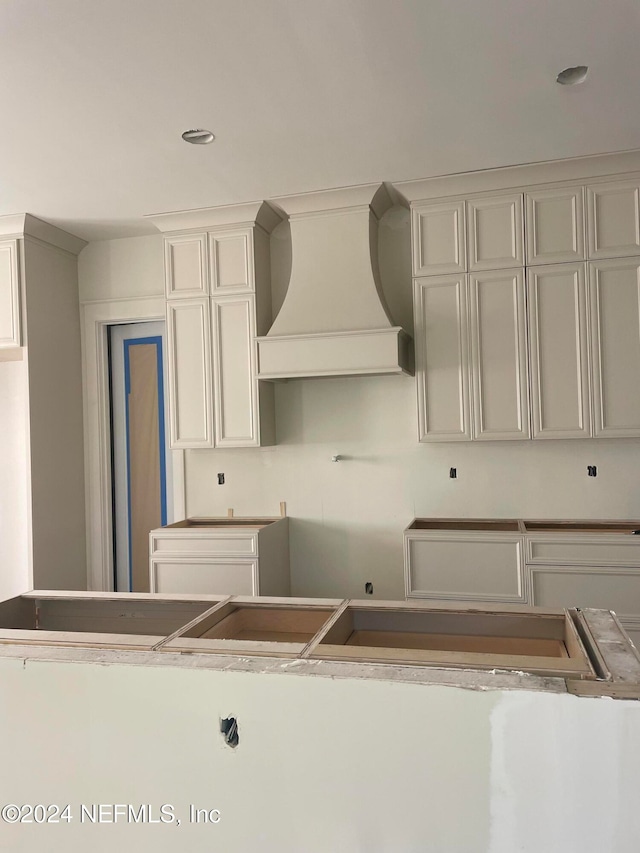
column 198, row 137
column 573, row 75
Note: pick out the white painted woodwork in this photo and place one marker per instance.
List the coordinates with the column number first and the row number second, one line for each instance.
column 464, row 566
column 213, row 577
column 334, row 320
column 235, row 385
column 495, row 228
column 439, row 238
column 232, row 262
column 554, row 225
column 376, row 352
column 10, row 325
column 442, row 358
column 197, row 543
column 615, row 345
column 559, row 366
column 589, row 550
column 186, row 273
column 499, row 377
column 613, row 219
column 189, row 373
column 613, row 588
column 221, row 558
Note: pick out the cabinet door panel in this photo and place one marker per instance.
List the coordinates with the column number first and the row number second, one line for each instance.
column 189, row 362
column 615, row 341
column 438, row 239
column 10, row 332
column 186, row 266
column 442, row 359
column 555, row 226
column 231, row 262
column 499, row 356
column 613, row 219
column 559, row 353
column 214, row 577
column 473, row 569
column 496, row 238
column 572, row 586
column 234, row 361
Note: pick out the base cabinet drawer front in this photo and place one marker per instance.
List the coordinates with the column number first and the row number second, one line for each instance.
column 473, row 568
column 213, row 577
column 222, row 545
column 599, row 551
column 611, row 588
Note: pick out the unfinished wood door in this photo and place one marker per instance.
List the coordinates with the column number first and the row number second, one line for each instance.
column 141, row 460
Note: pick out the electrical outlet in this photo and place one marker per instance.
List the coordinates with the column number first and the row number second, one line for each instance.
column 453, row 473
column 221, row 479
column 368, row 588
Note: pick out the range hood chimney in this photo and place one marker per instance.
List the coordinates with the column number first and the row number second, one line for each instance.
column 334, row 321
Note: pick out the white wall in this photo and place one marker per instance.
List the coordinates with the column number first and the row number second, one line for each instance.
column 348, row 517
column 52, row 320
column 116, row 269
column 14, row 466
column 340, row 765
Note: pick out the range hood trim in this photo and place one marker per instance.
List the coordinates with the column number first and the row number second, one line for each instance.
column 334, row 320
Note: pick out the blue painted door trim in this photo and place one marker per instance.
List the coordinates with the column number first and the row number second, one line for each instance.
column 157, row 340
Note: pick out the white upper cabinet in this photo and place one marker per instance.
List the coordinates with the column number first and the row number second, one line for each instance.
column 438, row 236
column 615, row 344
column 185, row 265
column 559, row 351
column 10, row 327
column 189, row 369
column 613, row 215
column 555, row 225
column 442, row 358
column 499, row 355
column 231, row 258
column 236, row 391
column 496, row 236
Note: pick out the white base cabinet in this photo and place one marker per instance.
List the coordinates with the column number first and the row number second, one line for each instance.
column 542, row 563
column 221, row 557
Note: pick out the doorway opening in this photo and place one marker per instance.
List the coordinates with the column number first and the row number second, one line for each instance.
column 140, row 460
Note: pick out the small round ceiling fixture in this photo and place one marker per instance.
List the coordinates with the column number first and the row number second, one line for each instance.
column 198, row 137
column 573, row 75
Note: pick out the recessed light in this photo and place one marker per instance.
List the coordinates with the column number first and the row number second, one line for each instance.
column 573, row 75
column 198, row 137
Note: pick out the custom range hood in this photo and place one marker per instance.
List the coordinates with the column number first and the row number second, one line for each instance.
column 334, row 321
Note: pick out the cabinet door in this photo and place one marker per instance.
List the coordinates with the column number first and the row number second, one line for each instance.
column 189, row 363
column 205, row 577
column 185, row 266
column 499, row 356
column 232, row 265
column 606, row 587
column 496, row 237
column 558, row 351
column 615, row 344
column 438, row 237
column 10, row 331
column 234, row 369
column 555, row 226
column 442, row 358
column 465, row 568
column 613, row 216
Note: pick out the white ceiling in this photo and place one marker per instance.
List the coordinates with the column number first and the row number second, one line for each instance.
column 301, row 94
